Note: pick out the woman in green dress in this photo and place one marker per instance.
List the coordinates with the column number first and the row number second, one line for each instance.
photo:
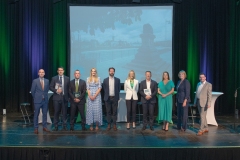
column 165, row 90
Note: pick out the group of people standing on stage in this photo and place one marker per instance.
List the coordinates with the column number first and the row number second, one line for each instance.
column 74, row 91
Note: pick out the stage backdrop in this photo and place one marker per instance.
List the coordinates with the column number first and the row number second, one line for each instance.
column 34, row 34
column 127, row 38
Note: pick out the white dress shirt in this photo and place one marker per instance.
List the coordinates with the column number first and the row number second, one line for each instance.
column 111, row 86
column 148, row 86
column 200, row 88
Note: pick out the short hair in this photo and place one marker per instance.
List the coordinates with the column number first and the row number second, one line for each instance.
column 41, row 69
column 167, row 74
column 182, row 71
column 61, row 67
column 148, row 72
column 202, row 74
column 111, row 68
column 76, row 71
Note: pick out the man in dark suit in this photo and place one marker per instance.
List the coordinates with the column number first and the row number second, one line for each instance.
column 39, row 91
column 59, row 86
column 148, row 91
column 112, row 87
column 77, row 90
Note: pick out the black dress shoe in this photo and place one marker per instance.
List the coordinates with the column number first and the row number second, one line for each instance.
column 64, row 128
column 152, row 128
column 143, row 128
column 71, row 129
column 55, row 129
column 84, row 128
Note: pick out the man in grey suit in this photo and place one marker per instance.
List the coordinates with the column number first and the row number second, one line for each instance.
column 39, row 91
column 203, row 101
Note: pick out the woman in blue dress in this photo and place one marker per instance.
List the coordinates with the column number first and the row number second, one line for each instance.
column 94, row 101
column 165, row 90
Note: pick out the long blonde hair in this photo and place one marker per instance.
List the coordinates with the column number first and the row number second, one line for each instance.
column 129, row 74
column 94, row 79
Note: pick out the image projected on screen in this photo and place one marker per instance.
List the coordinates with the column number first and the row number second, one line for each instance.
column 135, row 38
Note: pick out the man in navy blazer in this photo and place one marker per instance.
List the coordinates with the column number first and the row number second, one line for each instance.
column 77, row 91
column 148, row 99
column 39, row 91
column 59, row 86
column 112, row 87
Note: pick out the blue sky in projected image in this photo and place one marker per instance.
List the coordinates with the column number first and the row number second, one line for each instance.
column 161, row 23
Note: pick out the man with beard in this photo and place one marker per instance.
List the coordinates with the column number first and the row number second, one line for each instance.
column 112, row 87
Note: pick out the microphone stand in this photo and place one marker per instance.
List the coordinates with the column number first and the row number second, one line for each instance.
column 235, row 104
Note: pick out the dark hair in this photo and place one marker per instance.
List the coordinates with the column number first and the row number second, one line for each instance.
column 167, row 74
column 76, row 70
column 61, row 67
column 148, row 72
column 202, row 74
column 111, row 68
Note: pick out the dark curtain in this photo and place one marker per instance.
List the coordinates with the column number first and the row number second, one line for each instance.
column 206, row 39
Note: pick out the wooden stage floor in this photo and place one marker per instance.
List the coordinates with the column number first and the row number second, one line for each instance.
column 224, row 135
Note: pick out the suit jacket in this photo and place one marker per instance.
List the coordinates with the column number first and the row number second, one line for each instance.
column 205, row 94
column 131, row 92
column 117, row 88
column 183, row 91
column 58, row 97
column 37, row 92
column 81, row 89
column 153, row 86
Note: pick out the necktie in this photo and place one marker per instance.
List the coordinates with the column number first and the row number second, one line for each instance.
column 76, row 86
column 61, row 80
column 42, row 85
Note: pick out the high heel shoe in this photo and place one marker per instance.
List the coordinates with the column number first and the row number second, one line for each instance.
column 134, row 126
column 128, row 126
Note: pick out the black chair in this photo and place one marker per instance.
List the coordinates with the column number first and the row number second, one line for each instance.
column 25, row 114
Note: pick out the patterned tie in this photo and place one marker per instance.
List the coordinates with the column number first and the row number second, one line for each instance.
column 76, row 86
column 41, row 81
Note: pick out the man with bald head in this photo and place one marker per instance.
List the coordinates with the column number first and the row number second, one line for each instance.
column 39, row 91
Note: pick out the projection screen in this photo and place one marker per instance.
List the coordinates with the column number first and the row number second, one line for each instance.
column 127, row 38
